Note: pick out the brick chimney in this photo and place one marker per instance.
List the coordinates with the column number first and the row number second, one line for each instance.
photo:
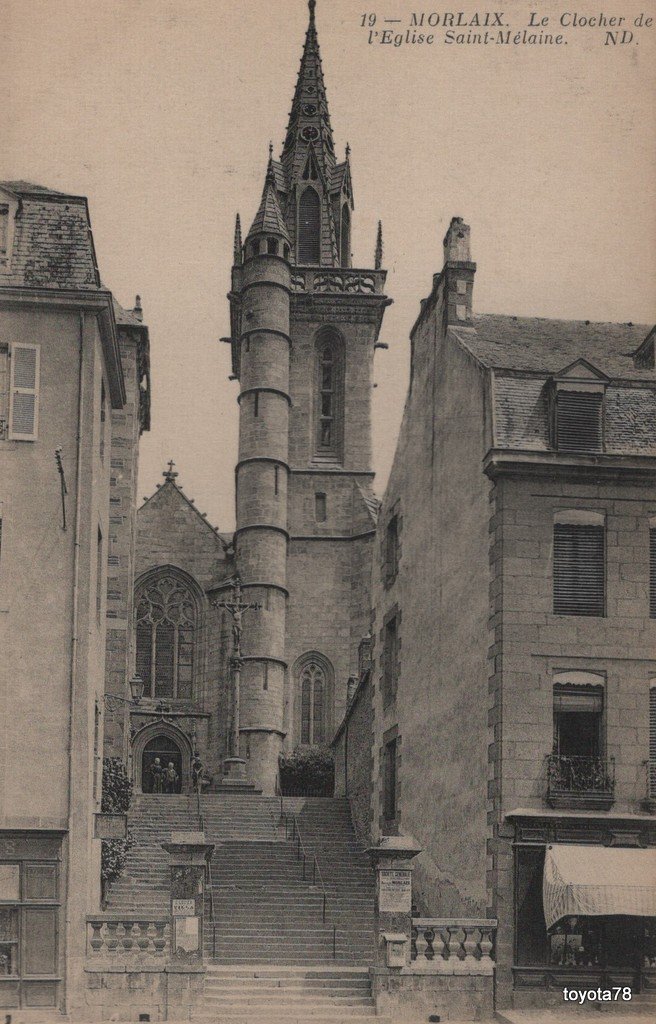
column 458, row 273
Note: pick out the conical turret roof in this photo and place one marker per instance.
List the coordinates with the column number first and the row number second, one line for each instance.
column 269, row 219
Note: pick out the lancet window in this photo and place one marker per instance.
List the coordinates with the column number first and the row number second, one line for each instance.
column 166, row 634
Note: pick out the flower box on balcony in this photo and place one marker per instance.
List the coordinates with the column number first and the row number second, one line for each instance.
column 580, row 783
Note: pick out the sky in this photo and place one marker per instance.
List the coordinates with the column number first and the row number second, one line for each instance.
column 161, row 111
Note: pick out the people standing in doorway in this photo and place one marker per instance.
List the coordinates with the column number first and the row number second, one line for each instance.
column 170, row 778
column 157, row 775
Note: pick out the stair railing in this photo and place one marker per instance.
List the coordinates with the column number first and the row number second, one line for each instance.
column 301, row 854
column 210, row 886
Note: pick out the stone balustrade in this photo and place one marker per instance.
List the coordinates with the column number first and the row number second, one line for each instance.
column 353, row 282
column 118, row 936
column 443, row 945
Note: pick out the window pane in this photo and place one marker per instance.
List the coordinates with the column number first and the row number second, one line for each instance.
column 40, row 881
column 531, row 929
column 144, row 655
column 8, row 924
column 40, row 940
column 8, row 959
column 9, row 882
column 305, row 710
column 164, row 660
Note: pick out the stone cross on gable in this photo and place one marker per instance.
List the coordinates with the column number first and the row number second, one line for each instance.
column 168, row 474
column 237, row 607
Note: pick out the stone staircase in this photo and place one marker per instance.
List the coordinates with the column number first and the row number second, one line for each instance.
column 144, row 886
column 267, row 948
column 322, row 995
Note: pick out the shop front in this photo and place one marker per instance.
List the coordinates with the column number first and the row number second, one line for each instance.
column 585, row 917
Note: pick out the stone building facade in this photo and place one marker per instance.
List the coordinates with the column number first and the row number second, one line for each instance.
column 515, row 632
column 62, row 385
column 304, row 328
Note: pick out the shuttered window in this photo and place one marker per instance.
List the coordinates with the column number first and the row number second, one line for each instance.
column 652, row 573
column 309, row 228
column 579, row 574
column 578, row 421
column 24, row 393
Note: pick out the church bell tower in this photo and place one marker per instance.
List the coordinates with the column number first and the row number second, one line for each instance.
column 304, row 326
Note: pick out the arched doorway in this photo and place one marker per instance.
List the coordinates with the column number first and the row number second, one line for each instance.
column 169, row 753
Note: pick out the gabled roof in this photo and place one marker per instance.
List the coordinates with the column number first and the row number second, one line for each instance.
column 580, row 370
column 544, row 346
column 170, row 486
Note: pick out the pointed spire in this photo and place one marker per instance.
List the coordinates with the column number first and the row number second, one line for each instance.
column 237, row 246
column 309, row 121
column 378, row 258
column 269, row 219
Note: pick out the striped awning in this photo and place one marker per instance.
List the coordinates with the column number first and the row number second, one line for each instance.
column 582, row 881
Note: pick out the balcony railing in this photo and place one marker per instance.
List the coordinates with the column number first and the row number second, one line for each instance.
column 580, row 782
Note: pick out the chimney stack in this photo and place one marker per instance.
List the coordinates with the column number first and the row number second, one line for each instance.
column 458, row 273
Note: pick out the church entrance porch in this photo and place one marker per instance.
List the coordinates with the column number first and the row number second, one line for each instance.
column 161, row 760
column 161, row 766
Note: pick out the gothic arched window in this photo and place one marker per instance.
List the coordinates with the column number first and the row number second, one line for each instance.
column 345, row 237
column 309, row 228
column 166, row 633
column 313, row 703
column 329, row 396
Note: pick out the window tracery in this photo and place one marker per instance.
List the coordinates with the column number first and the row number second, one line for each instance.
column 166, row 633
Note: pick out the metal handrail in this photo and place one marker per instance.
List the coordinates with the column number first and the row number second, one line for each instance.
column 316, row 870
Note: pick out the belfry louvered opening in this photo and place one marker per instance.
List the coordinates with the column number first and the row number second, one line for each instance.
column 579, row 571
column 579, row 421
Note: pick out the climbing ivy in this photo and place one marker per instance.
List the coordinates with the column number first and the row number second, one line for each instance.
column 116, row 799
column 307, row 771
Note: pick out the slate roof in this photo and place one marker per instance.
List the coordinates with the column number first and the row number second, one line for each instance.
column 269, row 219
column 547, row 346
column 125, row 317
column 53, row 246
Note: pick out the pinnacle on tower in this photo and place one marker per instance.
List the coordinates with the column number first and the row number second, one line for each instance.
column 237, row 244
column 269, row 219
column 378, row 257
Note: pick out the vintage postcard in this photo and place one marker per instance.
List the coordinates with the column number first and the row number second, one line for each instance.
column 327, row 511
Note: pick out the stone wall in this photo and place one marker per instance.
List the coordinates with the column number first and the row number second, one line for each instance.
column 405, row 996
column 353, row 765
column 121, row 993
column 439, row 715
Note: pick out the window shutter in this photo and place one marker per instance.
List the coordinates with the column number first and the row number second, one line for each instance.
column 24, row 393
column 652, row 740
column 576, row 700
column 652, row 574
column 578, row 422
column 578, row 570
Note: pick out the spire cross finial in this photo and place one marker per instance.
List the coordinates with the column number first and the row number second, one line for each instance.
column 168, row 474
column 312, row 4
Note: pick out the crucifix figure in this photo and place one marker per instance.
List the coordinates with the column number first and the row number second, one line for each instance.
column 236, row 607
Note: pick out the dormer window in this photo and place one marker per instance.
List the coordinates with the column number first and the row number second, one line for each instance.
column 578, row 409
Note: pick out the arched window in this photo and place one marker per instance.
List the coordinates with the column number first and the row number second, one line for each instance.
column 329, row 396
column 313, row 703
column 345, row 237
column 166, row 629
column 309, row 228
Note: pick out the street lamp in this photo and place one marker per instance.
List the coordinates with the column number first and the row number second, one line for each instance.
column 113, row 701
